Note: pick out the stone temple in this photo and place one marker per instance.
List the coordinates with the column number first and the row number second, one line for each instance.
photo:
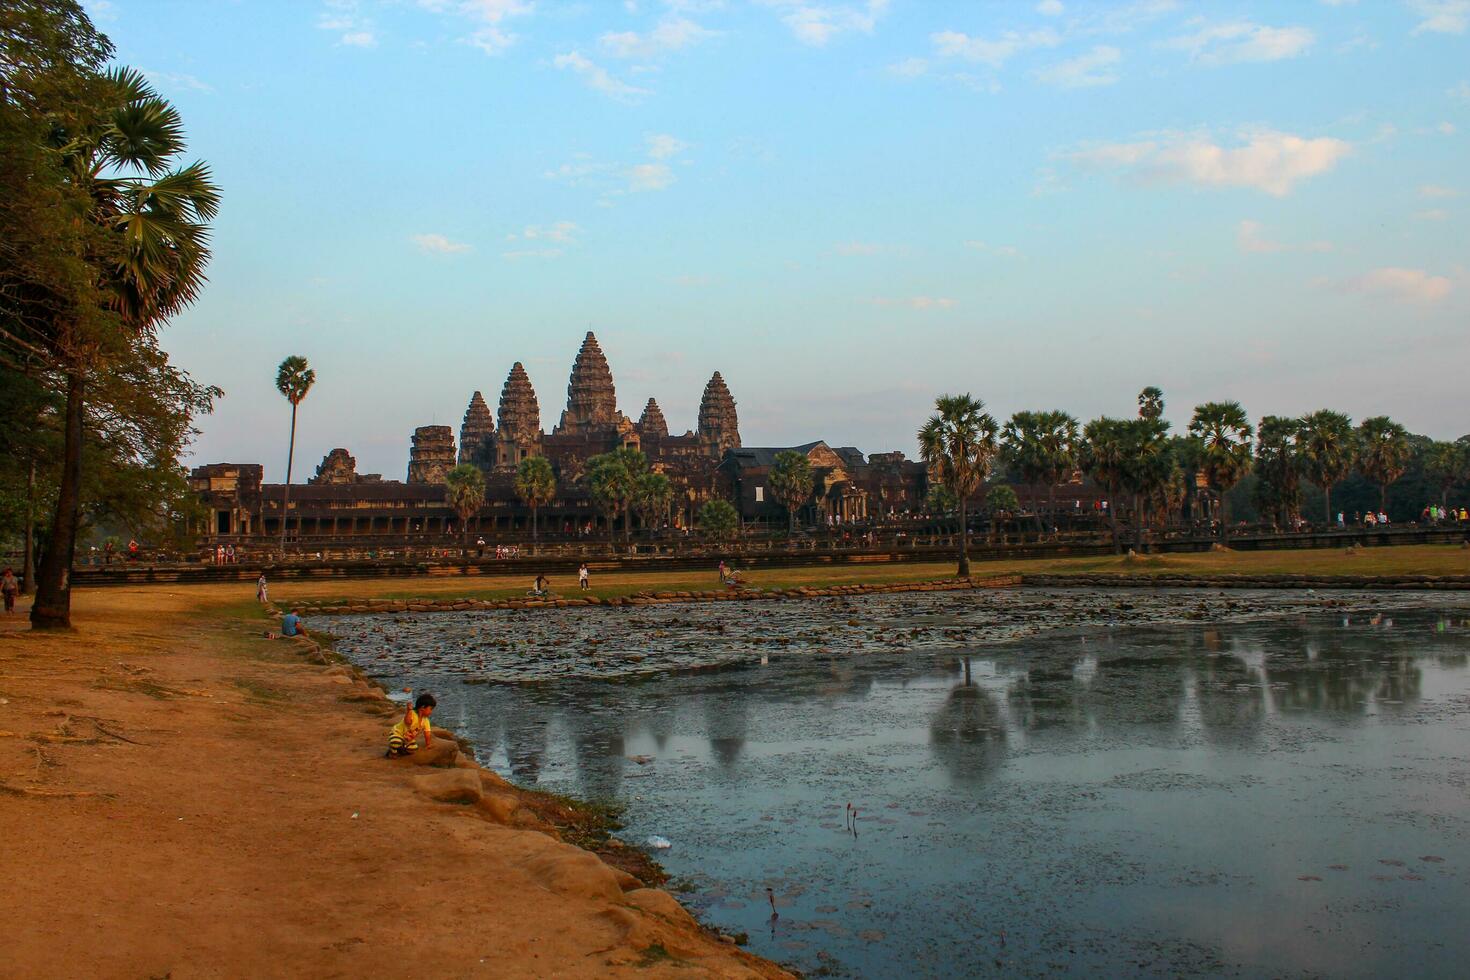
column 706, row 462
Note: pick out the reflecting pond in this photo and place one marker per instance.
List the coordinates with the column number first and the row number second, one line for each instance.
column 1271, row 797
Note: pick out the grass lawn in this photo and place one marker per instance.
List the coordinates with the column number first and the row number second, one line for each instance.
column 1407, row 560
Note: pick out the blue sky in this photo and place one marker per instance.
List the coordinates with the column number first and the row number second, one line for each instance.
column 846, row 207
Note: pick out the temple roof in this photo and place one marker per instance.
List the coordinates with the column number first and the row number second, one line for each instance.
column 520, row 414
column 652, row 420
column 591, row 397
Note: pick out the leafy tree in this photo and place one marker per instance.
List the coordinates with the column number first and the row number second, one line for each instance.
column 1224, row 432
column 1150, row 468
column 1383, row 453
column 1326, row 445
column 959, row 444
column 718, row 520
column 294, row 379
column 1446, row 464
column 536, row 487
column 464, row 488
column 1105, row 459
column 792, row 482
column 105, row 238
column 1279, row 465
column 613, row 480
column 652, row 495
column 1003, row 502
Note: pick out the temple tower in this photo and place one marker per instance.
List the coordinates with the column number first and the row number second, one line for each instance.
column 592, row 402
column 651, row 422
column 718, row 426
column 477, row 433
column 520, row 420
column 337, row 466
column 431, row 455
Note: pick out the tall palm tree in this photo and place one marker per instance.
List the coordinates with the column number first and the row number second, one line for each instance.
column 294, row 379
column 536, row 486
column 1150, row 403
column 1383, row 453
column 959, row 444
column 148, row 243
column 1224, row 432
column 1446, row 464
column 1149, row 467
column 1059, row 436
column 1326, row 446
column 464, row 488
column 1042, row 449
column 792, row 481
column 1105, row 459
column 652, row 495
column 1279, row 467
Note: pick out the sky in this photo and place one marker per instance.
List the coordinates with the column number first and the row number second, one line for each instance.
column 847, row 207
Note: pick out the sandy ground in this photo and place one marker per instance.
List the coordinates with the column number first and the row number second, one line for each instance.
column 180, row 797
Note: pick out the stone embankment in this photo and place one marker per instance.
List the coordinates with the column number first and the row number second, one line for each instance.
column 340, row 607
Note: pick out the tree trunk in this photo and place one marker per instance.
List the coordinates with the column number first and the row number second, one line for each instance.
column 52, row 607
column 28, row 561
column 1224, row 519
column 1113, row 521
column 964, row 564
column 1051, row 504
column 1036, row 509
column 1327, row 496
column 1383, row 498
column 535, row 522
column 286, row 500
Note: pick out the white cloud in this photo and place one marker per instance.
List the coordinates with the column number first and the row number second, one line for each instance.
column 1050, row 8
column 857, row 248
column 1004, row 251
column 597, row 77
column 436, row 243
column 649, row 177
column 177, row 80
column 1436, row 191
column 359, row 39
column 818, row 23
column 1249, row 239
column 1226, row 44
column 1446, row 128
column 1441, row 16
column 489, row 16
column 100, row 10
column 343, row 18
column 1085, row 71
column 670, row 34
column 1406, row 285
column 908, row 68
column 565, row 232
column 661, row 146
column 994, row 52
column 1266, row 161
column 1460, row 91
column 1432, row 214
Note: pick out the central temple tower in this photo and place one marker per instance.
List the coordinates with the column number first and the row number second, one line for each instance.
column 592, row 402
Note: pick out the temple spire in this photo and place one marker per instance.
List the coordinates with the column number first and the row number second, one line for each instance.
column 591, row 399
column 718, row 424
column 651, row 422
column 477, row 431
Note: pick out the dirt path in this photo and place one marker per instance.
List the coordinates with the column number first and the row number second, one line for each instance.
column 181, row 797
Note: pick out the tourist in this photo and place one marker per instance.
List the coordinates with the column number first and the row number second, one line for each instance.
column 107, row 552
column 10, row 586
column 262, row 593
column 1382, row 518
column 1340, row 524
column 724, row 570
column 479, row 547
column 541, row 585
column 582, row 577
column 291, row 624
column 229, row 554
column 133, row 549
column 403, row 738
column 219, row 553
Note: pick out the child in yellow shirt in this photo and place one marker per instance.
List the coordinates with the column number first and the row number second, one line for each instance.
column 403, row 737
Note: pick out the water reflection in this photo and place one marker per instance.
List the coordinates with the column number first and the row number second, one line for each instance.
column 968, row 731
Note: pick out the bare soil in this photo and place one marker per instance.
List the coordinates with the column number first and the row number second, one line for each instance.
column 181, row 797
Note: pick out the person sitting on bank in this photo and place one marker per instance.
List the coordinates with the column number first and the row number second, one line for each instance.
column 541, row 586
column 403, row 738
column 291, row 624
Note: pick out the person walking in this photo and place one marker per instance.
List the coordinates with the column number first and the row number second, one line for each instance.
column 583, row 577
column 10, row 586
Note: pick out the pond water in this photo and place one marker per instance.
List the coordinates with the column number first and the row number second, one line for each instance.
column 1262, row 798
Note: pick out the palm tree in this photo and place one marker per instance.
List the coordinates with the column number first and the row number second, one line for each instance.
column 1023, row 451
column 1105, row 460
column 1326, row 447
column 652, row 494
column 148, row 242
column 1150, row 403
column 1224, row 432
column 536, row 486
column 1279, row 467
column 294, row 379
column 464, row 488
column 613, row 479
column 1002, row 502
column 1446, row 464
column 1383, row 453
column 1149, row 467
column 792, row 481
column 958, row 445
